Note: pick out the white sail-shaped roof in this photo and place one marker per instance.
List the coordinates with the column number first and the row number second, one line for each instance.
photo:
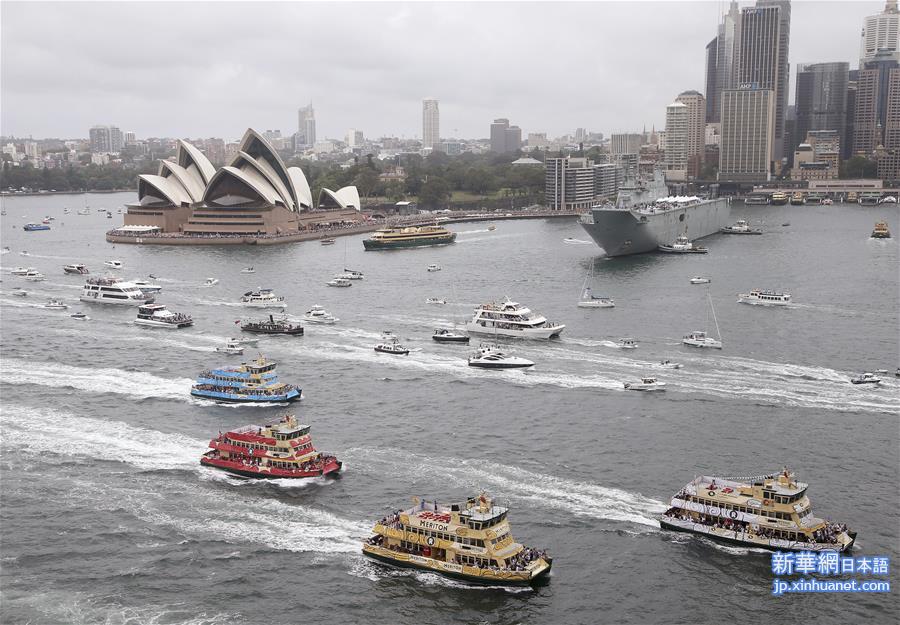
column 162, row 188
column 260, row 167
column 192, row 184
column 191, row 158
column 240, row 186
column 345, row 197
column 256, row 146
column 301, row 185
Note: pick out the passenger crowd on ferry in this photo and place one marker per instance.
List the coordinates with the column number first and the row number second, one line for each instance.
column 234, row 390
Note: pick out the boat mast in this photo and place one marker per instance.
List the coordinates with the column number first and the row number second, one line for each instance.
column 712, row 308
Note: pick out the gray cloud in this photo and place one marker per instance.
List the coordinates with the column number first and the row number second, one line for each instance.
column 213, row 68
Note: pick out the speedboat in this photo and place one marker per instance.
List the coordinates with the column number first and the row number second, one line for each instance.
column 262, row 298
column 55, row 304
column 339, row 282
column 248, row 270
column 350, row 274
column 489, row 356
column 433, row 267
column 435, row 300
column 20, row 292
column 114, row 264
column 699, row 280
column 646, row 384
column 231, row 347
column 317, row 314
column 77, row 269
column 35, row 276
column 865, row 378
column 211, row 282
column 443, row 335
column 80, row 316
column 698, row 338
column 21, row 271
column 328, row 241
column 626, row 343
column 668, row 364
column 391, row 345
column 147, row 287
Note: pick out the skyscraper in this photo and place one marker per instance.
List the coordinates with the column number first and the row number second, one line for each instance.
column 872, row 91
column 676, row 141
column 306, row 125
column 431, row 124
column 745, row 147
column 106, row 139
column 625, row 143
column 720, row 62
column 821, row 101
column 881, row 32
column 498, row 135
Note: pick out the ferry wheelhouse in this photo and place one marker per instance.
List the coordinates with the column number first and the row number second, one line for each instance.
column 768, row 511
column 159, row 316
column 469, row 541
column 114, row 291
column 764, row 298
column 253, row 382
column 512, row 319
column 411, row 236
column 283, row 449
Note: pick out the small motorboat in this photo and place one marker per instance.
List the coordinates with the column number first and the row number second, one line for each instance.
column 231, row 347
column 699, row 280
column 391, row 345
column 646, row 384
column 888, row 199
column 55, row 304
column 626, row 343
column 668, row 364
column 433, row 267
column 339, row 282
column 786, row 224
column 866, row 378
column 250, row 340
column 698, row 338
column 210, row 282
column 827, row 201
column 881, row 372
column 328, row 241
column 443, row 335
column 435, row 300
column 35, row 276
column 114, row 264
column 21, row 271
column 20, row 292
column 492, row 227
column 35, row 227
column 350, row 274
column 248, row 270
column 24, row 253
column 80, row 316
column 76, row 269
column 317, row 314
column 490, row 356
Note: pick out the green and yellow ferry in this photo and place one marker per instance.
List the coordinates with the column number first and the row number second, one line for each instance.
column 410, row 236
column 470, row 541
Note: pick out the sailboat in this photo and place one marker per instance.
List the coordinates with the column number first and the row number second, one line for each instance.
column 588, row 299
column 443, row 335
column 350, row 274
column 699, row 338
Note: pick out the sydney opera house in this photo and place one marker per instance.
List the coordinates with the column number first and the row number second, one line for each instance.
column 256, row 194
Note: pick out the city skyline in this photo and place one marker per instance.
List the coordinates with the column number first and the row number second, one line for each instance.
column 117, row 88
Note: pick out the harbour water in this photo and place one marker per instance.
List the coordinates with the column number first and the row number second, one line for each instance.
column 107, row 516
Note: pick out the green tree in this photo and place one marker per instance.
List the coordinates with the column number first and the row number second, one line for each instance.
column 858, row 167
column 434, row 192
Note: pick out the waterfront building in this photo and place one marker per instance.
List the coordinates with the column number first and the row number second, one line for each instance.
column 576, row 183
column 881, row 33
column 818, row 157
column 745, row 146
column 625, row 143
column 821, row 98
column 431, row 124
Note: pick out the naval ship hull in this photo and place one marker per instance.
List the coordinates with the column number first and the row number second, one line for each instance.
column 621, row 232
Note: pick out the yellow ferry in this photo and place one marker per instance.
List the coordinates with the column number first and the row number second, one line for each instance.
column 768, row 511
column 470, row 541
column 881, row 231
column 410, row 236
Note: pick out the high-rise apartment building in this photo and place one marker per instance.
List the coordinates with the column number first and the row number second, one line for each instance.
column 625, row 143
column 355, row 138
column 107, row 139
column 215, row 151
column 676, row 141
column 130, row 137
column 881, row 32
column 431, row 124
column 505, row 138
column 720, row 61
column 575, row 183
column 872, row 90
column 821, row 100
column 745, row 147
column 306, row 126
column 696, row 130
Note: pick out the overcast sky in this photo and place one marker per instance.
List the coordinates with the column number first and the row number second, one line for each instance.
column 214, row 68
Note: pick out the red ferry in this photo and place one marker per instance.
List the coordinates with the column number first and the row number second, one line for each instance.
column 278, row 450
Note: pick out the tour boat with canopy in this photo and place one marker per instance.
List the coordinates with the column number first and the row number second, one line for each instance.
column 279, row 450
column 469, row 540
column 760, row 297
column 768, row 511
column 512, row 319
column 253, row 382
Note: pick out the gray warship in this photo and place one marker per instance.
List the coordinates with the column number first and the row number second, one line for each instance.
column 644, row 217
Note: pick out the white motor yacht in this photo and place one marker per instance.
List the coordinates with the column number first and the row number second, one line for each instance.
column 262, row 298
column 248, row 270
column 433, row 267
column 147, row 287
column 627, row 343
column 443, row 335
column 490, row 356
column 79, row 316
column 698, row 338
column 866, row 378
column 159, row 316
column 646, row 384
column 55, row 304
column 668, row 364
column 350, row 274
column 391, row 345
column 21, row 271
column 76, row 269
column 435, row 300
column 114, row 264
column 764, row 298
column 317, row 314
column 338, row 281
column 512, row 319
column 699, row 280
column 231, row 347
column 107, row 290
column 35, row 276
column 211, row 282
